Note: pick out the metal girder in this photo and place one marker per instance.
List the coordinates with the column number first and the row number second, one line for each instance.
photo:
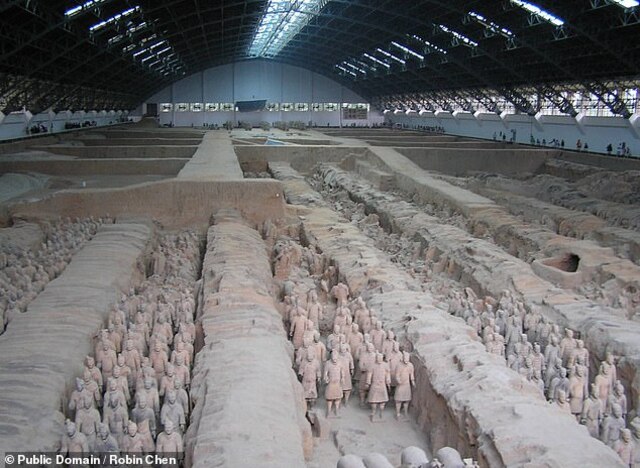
column 49, row 46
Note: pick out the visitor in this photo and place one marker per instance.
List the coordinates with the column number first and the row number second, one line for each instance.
column 609, row 148
column 579, row 145
column 562, row 143
column 586, row 146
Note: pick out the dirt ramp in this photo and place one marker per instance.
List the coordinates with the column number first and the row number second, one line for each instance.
column 43, row 349
column 249, row 408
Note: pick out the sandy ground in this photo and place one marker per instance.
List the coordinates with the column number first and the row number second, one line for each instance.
column 353, row 432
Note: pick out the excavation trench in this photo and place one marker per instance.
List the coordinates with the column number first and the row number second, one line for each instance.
column 456, row 402
column 487, row 269
column 137, row 379
column 350, row 428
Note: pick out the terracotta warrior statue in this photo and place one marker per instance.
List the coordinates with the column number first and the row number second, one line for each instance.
column 346, row 361
column 169, row 442
column 310, row 373
column 334, row 378
column 405, row 379
column 132, row 442
column 73, row 442
column 172, row 411
column 378, row 381
column 106, row 443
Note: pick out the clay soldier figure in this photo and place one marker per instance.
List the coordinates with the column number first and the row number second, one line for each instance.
column 320, row 349
column 147, row 437
column 559, row 382
column 142, row 412
column 393, row 359
column 309, row 332
column 125, row 372
column 539, row 364
column 167, row 382
column 405, row 378
column 378, row 381
column 378, row 336
column 341, row 292
column 603, row 382
column 115, row 415
column 132, row 358
column 96, row 375
column 296, row 332
column 552, row 372
column 576, row 392
column 107, row 360
column 73, row 442
column 333, row 339
column 355, row 340
column 169, row 442
column 121, row 384
column 346, row 361
column 562, row 403
column 551, row 351
column 159, row 359
column 334, row 378
column 182, row 396
column 103, row 339
column 172, row 411
column 87, row 420
column 618, row 397
column 105, row 443
column 612, row 425
column 180, row 351
column 310, row 373
column 151, row 395
column 365, row 361
column 301, row 355
column 625, row 448
column 592, row 413
column 316, row 310
column 612, row 372
column 77, row 397
column 567, row 345
column 132, row 442
column 182, row 371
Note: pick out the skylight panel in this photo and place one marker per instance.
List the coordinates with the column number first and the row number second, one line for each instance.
column 539, row 12
column 340, row 67
column 391, row 56
column 490, row 25
column 75, row 11
column 379, row 62
column 282, row 21
column 350, row 65
column 113, row 19
column 406, row 50
column 160, row 52
column 461, row 37
column 429, row 44
column 626, row 3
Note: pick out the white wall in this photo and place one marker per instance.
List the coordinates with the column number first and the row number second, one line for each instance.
column 257, row 80
column 16, row 124
column 598, row 132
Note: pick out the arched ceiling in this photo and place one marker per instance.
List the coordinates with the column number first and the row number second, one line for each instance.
column 53, row 56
